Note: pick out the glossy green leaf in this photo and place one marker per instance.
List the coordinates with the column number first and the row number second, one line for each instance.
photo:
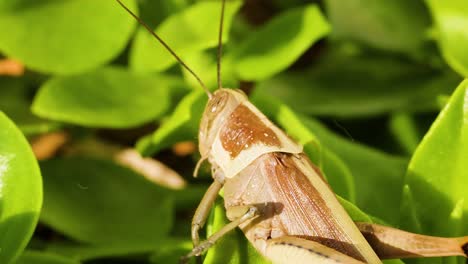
column 190, row 196
column 397, row 25
column 98, row 202
column 108, row 97
column 404, row 128
column 37, row 257
column 172, row 251
column 408, row 216
column 278, row 44
column 336, row 86
column 338, row 174
column 354, row 212
column 180, row 126
column 92, row 252
column 47, row 37
column 191, row 30
column 15, row 102
column 437, row 176
column 393, row 261
column 20, row 191
column 204, row 63
column 155, row 12
column 168, row 250
column 451, row 21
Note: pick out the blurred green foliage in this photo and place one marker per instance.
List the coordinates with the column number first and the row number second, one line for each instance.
column 373, row 89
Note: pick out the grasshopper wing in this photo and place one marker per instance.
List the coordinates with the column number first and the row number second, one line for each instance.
column 294, row 201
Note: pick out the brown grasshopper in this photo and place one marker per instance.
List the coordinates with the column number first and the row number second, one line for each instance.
column 279, row 198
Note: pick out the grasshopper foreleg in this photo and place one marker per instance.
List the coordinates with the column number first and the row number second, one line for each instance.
column 202, row 247
column 203, row 210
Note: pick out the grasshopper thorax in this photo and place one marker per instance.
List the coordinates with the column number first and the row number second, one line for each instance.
column 218, row 109
column 233, row 133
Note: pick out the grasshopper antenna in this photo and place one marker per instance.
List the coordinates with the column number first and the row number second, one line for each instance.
column 220, row 44
column 141, row 22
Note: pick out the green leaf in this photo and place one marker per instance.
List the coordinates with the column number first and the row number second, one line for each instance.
column 336, row 86
column 191, row 30
column 154, row 12
column 171, row 252
column 277, row 45
column 406, row 131
column 20, row 191
column 451, row 21
column 108, row 97
column 180, row 126
column 190, row 196
column 338, row 174
column 96, row 201
column 90, row 252
column 354, row 212
column 47, row 37
column 38, row 257
column 397, row 25
column 204, row 63
column 393, row 261
column 15, row 102
column 437, row 175
column 408, row 216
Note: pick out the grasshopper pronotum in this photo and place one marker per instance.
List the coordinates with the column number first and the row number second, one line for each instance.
column 279, row 199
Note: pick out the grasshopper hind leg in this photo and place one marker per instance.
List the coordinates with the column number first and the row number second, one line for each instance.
column 389, row 242
column 290, row 249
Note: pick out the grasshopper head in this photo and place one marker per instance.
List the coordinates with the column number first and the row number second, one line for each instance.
column 217, row 111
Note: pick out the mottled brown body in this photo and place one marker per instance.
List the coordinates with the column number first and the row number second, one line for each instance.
column 243, row 129
column 288, row 203
column 291, row 197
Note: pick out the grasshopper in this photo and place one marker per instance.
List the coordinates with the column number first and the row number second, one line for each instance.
column 278, row 197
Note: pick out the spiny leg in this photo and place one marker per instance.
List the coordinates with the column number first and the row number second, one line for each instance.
column 202, row 247
column 390, row 242
column 290, row 249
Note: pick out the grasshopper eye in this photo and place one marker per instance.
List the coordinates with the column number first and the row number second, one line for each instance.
column 214, row 107
column 216, row 104
column 210, row 121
